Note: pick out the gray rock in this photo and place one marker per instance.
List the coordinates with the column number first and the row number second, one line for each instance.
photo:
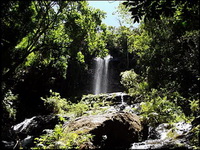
column 27, row 142
column 113, row 130
column 7, row 145
column 35, row 125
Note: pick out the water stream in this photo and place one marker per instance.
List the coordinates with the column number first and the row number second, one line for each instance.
column 101, row 75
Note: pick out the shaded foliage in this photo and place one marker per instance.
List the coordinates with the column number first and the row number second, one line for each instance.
column 168, row 43
column 49, row 47
column 147, row 10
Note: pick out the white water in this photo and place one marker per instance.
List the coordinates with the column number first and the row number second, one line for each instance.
column 98, row 75
column 23, row 125
column 101, row 75
column 122, row 98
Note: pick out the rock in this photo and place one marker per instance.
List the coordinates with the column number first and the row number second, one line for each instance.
column 163, row 130
column 7, row 145
column 26, row 131
column 35, row 125
column 160, row 144
column 113, row 130
column 165, row 136
column 116, row 97
column 27, row 142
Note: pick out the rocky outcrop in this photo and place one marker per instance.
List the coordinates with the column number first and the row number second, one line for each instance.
column 116, row 98
column 165, row 136
column 36, row 124
column 113, row 130
column 25, row 132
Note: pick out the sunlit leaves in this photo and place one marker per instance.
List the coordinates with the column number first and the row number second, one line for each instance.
column 141, row 43
column 129, row 79
column 80, row 57
column 158, row 109
column 23, row 43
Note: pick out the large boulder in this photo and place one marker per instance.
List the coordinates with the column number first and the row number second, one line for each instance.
column 35, row 125
column 113, row 130
column 24, row 133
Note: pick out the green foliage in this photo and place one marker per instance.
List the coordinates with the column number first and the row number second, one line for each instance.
column 194, row 106
column 166, row 43
column 155, row 9
column 97, row 104
column 140, row 90
column 49, row 36
column 129, row 79
column 64, row 138
column 134, row 83
column 124, row 14
column 48, row 140
column 9, row 105
column 55, row 104
column 56, row 47
column 195, row 135
column 93, row 103
column 75, row 140
column 158, row 108
column 61, row 139
column 78, row 109
column 141, row 42
column 80, row 57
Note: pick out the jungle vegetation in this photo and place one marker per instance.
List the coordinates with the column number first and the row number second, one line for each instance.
column 49, row 45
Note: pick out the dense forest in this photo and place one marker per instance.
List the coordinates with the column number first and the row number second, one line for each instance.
column 48, row 51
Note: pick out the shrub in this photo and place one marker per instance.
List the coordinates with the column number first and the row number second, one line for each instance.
column 61, row 139
column 9, row 105
column 95, row 101
column 129, row 79
column 194, row 138
column 55, row 104
column 194, row 106
column 157, row 108
column 135, row 84
column 78, row 109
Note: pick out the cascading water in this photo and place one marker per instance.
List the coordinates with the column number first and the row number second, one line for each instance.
column 122, row 98
column 98, row 75
column 106, row 75
column 101, row 75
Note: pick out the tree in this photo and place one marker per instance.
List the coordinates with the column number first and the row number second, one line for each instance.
column 155, row 9
column 167, row 45
column 21, row 37
column 50, row 39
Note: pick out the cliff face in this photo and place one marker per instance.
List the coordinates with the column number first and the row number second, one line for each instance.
column 115, row 67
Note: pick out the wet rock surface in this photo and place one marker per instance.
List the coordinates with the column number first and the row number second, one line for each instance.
column 35, row 125
column 114, row 130
column 166, row 136
column 159, row 144
column 116, row 97
column 25, row 132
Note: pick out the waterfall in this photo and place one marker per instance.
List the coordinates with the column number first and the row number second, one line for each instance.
column 98, row 75
column 106, row 75
column 101, row 75
column 122, row 98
